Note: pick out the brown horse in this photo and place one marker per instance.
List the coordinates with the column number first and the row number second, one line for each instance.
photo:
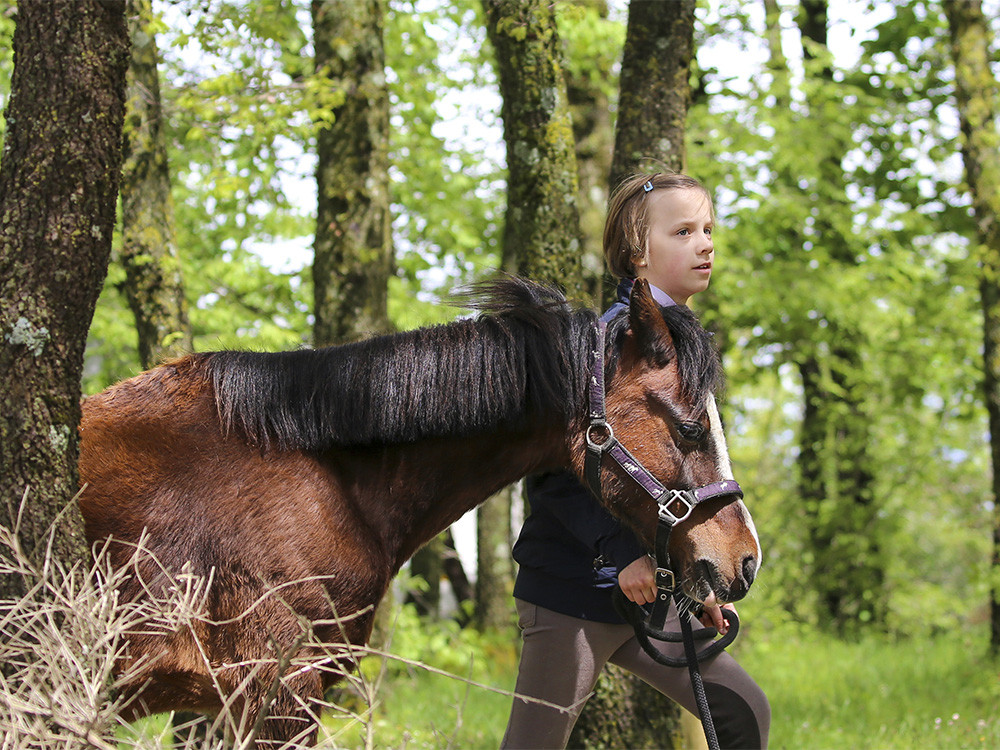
column 318, row 473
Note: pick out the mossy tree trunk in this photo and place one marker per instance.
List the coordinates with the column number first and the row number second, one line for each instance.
column 976, row 95
column 353, row 247
column 153, row 283
column 655, row 91
column 542, row 225
column 58, row 187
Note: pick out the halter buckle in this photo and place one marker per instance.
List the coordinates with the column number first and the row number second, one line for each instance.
column 665, row 580
column 687, row 502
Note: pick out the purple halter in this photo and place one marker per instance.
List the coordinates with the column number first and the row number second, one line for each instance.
column 674, row 504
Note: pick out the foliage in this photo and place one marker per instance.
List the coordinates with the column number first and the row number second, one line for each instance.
column 443, row 686
column 447, row 183
column 900, row 287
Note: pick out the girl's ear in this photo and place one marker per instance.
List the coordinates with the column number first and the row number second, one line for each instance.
column 651, row 333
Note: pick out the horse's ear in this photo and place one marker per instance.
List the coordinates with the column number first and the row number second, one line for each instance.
column 646, row 320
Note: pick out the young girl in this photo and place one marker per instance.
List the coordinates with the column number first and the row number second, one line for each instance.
column 572, row 552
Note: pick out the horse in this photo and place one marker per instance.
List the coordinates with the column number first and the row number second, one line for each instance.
column 317, row 473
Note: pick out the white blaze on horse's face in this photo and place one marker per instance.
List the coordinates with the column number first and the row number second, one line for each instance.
column 726, row 468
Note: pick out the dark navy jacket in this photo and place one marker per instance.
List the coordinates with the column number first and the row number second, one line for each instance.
column 570, row 548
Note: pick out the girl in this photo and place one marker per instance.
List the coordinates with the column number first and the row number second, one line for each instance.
column 572, row 552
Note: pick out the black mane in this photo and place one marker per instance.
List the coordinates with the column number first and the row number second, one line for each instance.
column 527, row 353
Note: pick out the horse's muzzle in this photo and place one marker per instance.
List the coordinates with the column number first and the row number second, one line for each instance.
column 708, row 579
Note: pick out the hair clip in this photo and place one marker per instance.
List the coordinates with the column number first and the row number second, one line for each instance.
column 648, row 186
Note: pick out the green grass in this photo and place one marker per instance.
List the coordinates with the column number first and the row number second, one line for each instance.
column 416, row 707
column 931, row 694
column 940, row 693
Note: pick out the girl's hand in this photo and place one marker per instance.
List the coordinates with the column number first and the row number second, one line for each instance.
column 711, row 615
column 638, row 580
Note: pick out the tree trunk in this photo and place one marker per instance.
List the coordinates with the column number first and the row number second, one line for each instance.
column 655, row 90
column 454, row 571
column 620, row 714
column 542, row 226
column 153, row 284
column 541, row 230
column 836, row 486
column 836, row 472
column 493, row 570
column 58, row 187
column 353, row 246
column 976, row 95
column 428, row 564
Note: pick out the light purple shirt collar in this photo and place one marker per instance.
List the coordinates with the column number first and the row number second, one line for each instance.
column 661, row 297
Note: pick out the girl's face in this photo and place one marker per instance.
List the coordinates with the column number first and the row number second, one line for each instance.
column 679, row 251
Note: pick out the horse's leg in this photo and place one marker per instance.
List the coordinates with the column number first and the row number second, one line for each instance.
column 282, row 710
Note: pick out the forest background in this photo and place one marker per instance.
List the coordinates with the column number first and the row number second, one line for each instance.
column 846, row 299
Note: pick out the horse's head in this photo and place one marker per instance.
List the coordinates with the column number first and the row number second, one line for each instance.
column 660, row 403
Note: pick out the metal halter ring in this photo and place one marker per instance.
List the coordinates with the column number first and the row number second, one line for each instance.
column 603, row 426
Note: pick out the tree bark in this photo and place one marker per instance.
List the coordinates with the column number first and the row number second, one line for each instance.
column 493, row 569
column 655, row 90
column 58, row 186
column 353, row 246
column 976, row 96
column 153, row 283
column 542, row 225
column 541, row 231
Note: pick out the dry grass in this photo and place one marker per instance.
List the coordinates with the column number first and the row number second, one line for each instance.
column 63, row 643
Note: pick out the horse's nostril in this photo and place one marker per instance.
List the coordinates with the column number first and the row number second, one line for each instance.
column 749, row 569
column 706, row 571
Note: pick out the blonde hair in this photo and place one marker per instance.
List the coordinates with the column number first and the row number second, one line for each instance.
column 627, row 224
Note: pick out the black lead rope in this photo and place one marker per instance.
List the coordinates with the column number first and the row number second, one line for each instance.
column 645, row 634
column 636, row 616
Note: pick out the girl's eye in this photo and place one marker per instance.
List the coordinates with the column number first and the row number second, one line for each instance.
column 684, row 232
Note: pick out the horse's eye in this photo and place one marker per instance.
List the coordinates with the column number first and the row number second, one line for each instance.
column 692, row 432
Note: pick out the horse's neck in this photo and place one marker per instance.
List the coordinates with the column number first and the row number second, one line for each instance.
column 414, row 492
